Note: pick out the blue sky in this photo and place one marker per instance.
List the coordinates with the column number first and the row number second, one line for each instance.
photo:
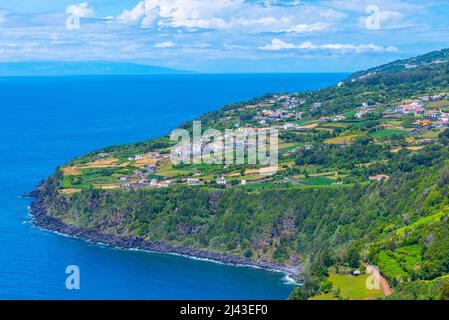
column 225, row 35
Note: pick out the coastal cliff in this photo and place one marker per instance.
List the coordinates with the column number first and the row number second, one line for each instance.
column 46, row 222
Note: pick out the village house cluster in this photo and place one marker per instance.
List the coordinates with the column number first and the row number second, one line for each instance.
column 139, row 178
column 245, row 138
column 219, row 181
column 424, row 116
column 332, row 119
column 281, row 112
column 273, row 109
column 365, row 109
column 285, row 106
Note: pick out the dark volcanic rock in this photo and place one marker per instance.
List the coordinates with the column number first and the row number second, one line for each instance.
column 46, row 222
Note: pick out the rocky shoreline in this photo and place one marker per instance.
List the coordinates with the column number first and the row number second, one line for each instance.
column 46, row 222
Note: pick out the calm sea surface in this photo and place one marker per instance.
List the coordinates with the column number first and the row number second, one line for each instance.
column 47, row 121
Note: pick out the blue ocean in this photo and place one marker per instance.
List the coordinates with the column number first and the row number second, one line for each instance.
column 46, row 121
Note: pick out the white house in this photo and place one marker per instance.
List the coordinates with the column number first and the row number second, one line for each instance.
column 356, row 273
column 165, row 183
column 221, row 180
column 433, row 114
column 379, row 177
column 103, row 155
column 138, row 157
column 339, row 118
column 154, row 155
column 193, row 182
column 444, row 117
column 288, row 126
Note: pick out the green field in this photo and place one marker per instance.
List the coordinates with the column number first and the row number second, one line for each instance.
column 354, row 288
column 386, row 133
column 423, row 222
column 410, row 256
column 438, row 104
column 324, row 296
column 390, row 267
column 317, row 181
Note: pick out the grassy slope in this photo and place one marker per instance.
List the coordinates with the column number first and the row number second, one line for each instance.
column 351, row 288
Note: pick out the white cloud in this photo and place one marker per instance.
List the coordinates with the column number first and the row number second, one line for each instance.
column 224, row 15
column 359, row 6
column 81, row 10
column 333, row 14
column 144, row 13
column 393, row 14
column 133, row 15
column 394, row 19
column 165, row 44
column 391, row 20
column 388, row 15
column 3, row 15
column 277, row 45
column 306, row 28
column 358, row 48
column 177, row 13
column 208, row 32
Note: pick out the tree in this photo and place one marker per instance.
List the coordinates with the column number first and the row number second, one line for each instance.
column 443, row 176
column 309, row 288
column 326, row 286
column 353, row 256
column 306, row 174
column 444, row 137
column 298, row 294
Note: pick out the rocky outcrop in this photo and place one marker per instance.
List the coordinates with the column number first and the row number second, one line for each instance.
column 42, row 220
column 214, row 200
